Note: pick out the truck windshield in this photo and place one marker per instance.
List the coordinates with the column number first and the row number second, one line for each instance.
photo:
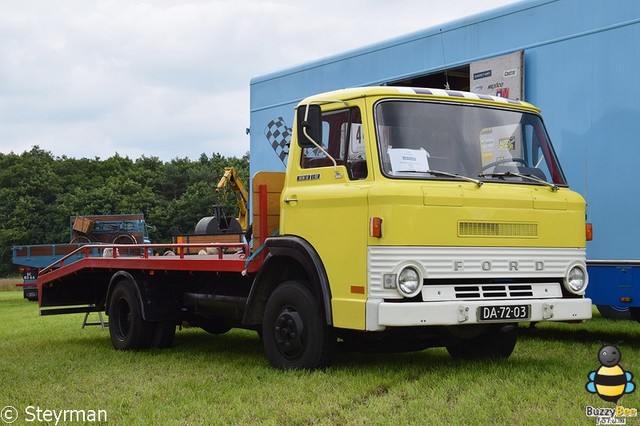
column 430, row 140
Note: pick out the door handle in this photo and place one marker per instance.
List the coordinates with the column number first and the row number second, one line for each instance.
column 291, row 200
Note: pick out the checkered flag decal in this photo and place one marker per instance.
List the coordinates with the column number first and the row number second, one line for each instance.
column 279, row 136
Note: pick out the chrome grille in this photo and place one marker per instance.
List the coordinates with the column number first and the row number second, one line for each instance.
column 493, row 291
column 490, row 291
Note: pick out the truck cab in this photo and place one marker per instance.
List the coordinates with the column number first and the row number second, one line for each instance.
column 441, row 214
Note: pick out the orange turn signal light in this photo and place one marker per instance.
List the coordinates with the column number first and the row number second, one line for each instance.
column 589, row 231
column 375, row 227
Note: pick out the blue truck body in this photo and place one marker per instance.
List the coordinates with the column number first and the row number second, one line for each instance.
column 118, row 229
column 580, row 62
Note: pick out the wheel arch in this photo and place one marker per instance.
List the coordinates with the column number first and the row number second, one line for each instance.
column 158, row 300
column 113, row 282
column 289, row 258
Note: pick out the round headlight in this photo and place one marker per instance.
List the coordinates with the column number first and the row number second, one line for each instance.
column 409, row 281
column 576, row 280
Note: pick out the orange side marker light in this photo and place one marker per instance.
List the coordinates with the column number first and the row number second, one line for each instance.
column 375, row 227
column 589, row 231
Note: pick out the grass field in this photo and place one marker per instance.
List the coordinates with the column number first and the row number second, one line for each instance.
column 9, row 284
column 53, row 364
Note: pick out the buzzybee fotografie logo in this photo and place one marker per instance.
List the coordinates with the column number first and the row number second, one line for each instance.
column 610, row 382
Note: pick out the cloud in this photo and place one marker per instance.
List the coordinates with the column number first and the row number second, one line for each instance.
column 169, row 78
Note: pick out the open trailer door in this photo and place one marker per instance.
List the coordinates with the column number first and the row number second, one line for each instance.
column 499, row 76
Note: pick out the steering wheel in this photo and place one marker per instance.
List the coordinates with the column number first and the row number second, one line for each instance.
column 504, row 160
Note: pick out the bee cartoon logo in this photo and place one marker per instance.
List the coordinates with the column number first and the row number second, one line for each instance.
column 610, row 381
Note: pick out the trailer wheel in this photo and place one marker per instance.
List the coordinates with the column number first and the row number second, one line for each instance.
column 80, row 239
column 293, row 331
column 128, row 330
column 125, row 239
column 497, row 342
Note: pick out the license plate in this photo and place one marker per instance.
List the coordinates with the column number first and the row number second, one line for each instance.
column 30, row 275
column 499, row 313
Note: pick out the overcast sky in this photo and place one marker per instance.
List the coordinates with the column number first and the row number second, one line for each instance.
column 164, row 78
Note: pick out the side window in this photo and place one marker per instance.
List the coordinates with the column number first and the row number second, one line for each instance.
column 342, row 138
column 535, row 154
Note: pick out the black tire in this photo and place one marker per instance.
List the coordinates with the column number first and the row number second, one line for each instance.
column 635, row 314
column 163, row 334
column 128, row 330
column 614, row 312
column 495, row 343
column 295, row 335
column 31, row 294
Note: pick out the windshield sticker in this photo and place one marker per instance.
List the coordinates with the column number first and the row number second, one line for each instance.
column 500, row 142
column 507, row 143
column 409, row 160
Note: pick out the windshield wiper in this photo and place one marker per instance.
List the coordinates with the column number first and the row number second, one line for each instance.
column 552, row 186
column 478, row 183
column 455, row 175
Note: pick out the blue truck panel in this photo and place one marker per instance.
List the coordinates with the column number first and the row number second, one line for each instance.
column 623, row 279
column 41, row 255
column 580, row 59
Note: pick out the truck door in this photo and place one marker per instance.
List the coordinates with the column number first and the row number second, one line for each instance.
column 326, row 205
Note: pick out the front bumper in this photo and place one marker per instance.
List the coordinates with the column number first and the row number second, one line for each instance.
column 382, row 314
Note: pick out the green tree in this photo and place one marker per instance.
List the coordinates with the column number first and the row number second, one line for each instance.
column 40, row 192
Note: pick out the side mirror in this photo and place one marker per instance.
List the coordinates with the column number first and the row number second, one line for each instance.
column 312, row 124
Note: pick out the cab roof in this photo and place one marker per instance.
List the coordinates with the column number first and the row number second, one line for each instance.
column 419, row 93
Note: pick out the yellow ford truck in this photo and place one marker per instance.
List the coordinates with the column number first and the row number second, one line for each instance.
column 407, row 218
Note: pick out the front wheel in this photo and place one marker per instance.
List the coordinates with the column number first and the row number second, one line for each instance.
column 294, row 333
column 495, row 343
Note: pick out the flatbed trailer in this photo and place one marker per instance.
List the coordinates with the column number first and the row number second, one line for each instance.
column 203, row 284
column 104, row 259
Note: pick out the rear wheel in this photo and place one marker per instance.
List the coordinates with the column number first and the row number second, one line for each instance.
column 495, row 343
column 294, row 332
column 128, row 330
column 163, row 334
